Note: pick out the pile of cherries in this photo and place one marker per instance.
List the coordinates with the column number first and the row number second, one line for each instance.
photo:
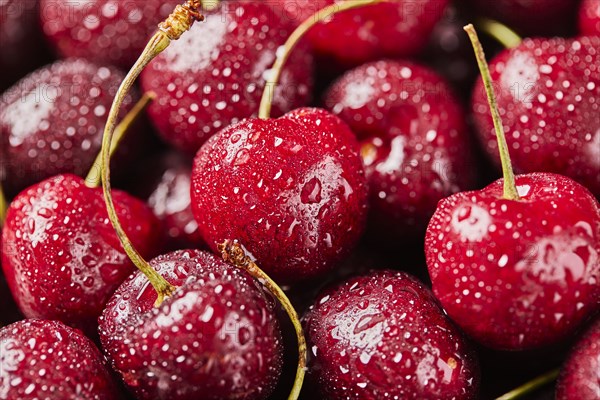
column 380, row 197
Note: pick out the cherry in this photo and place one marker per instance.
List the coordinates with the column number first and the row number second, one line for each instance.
column 48, row 360
column 580, row 376
column 415, row 142
column 589, row 18
column 216, row 337
column 384, row 335
column 292, row 190
column 103, row 31
column 214, row 75
column 61, row 257
column 51, row 121
column 516, row 264
column 548, row 92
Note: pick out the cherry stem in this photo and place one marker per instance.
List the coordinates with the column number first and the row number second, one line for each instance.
column 510, row 188
column 172, row 28
column 3, row 207
column 284, row 52
column 497, row 30
column 531, row 386
column 232, row 252
column 92, row 179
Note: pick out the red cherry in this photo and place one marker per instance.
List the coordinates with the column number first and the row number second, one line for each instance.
column 48, row 360
column 215, row 74
column 51, row 122
column 61, row 257
column 291, row 190
column 580, row 375
column 517, row 274
column 548, row 91
column 383, row 335
column 589, row 18
column 216, row 337
column 415, row 142
column 103, row 31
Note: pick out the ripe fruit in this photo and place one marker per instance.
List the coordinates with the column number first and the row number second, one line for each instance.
column 48, row 360
column 589, row 18
column 214, row 75
column 61, row 257
column 216, row 337
column 104, row 31
column 415, row 144
column 51, row 121
column 548, row 91
column 291, row 190
column 580, row 375
column 383, row 335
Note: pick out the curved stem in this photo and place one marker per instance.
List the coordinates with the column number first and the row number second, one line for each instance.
column 510, row 188
column 284, row 52
column 92, row 179
column 502, row 33
column 172, row 28
column 3, row 207
column 233, row 252
column 530, row 386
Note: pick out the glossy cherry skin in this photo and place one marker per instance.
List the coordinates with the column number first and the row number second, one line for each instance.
column 44, row 359
column 52, row 121
column 589, row 18
column 383, row 335
column 215, row 338
column 580, row 375
column 291, row 190
column 103, row 31
column 215, row 74
column 61, row 256
column 548, row 91
column 517, row 275
column 415, row 142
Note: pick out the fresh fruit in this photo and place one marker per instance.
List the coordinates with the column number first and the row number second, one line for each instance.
column 548, row 91
column 51, row 121
column 580, row 375
column 589, row 18
column 216, row 337
column 103, row 31
column 398, row 28
column 291, row 190
column 215, row 74
column 415, row 144
column 48, row 360
column 62, row 258
column 383, row 335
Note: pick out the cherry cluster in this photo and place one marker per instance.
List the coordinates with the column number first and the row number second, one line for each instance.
column 315, row 199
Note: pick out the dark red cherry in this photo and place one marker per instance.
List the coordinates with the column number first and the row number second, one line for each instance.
column 48, row 360
column 589, row 18
column 517, row 274
column 580, row 374
column 215, row 338
column 291, row 190
column 548, row 91
column 61, row 256
column 415, row 144
column 383, row 335
column 215, row 74
column 104, row 31
column 52, row 121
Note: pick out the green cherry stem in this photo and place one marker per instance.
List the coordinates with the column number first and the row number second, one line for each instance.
column 232, row 252
column 500, row 32
column 172, row 28
column 284, row 52
column 510, row 188
column 3, row 207
column 530, row 386
column 92, row 179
